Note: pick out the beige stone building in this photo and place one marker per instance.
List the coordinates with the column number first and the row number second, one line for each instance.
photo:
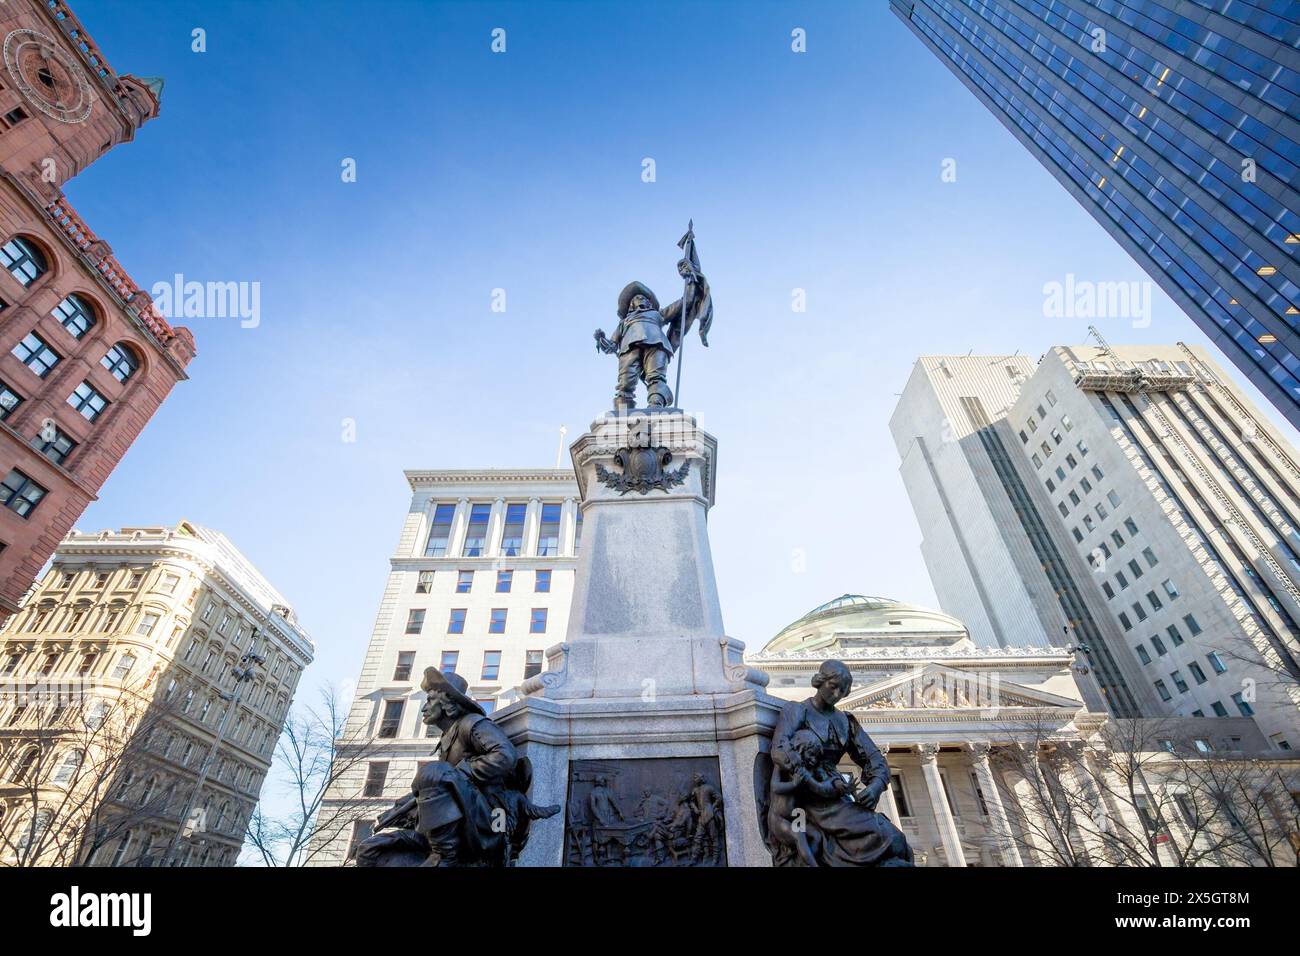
column 143, row 686
column 995, row 759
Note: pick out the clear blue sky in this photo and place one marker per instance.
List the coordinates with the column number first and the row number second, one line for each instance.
column 522, row 171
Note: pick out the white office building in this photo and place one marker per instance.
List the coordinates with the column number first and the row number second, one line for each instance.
column 1131, row 502
column 480, row 584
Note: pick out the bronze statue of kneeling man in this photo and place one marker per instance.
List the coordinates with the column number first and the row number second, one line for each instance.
column 469, row 808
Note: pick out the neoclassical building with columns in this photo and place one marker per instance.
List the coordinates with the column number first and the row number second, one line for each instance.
column 972, row 735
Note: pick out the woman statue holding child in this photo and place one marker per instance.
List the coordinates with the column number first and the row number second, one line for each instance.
column 815, row 816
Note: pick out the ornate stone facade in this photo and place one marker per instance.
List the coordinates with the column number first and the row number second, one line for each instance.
column 85, row 357
column 973, row 735
column 121, row 717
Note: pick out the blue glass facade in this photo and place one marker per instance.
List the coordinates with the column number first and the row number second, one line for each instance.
column 1178, row 131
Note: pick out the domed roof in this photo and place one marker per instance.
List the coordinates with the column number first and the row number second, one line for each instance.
column 857, row 619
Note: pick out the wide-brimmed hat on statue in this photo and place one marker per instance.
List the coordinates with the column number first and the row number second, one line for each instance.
column 453, row 685
column 634, row 289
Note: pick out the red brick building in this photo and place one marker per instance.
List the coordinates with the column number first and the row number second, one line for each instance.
column 85, row 357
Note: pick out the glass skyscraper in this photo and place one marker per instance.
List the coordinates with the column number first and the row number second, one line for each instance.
column 1177, row 126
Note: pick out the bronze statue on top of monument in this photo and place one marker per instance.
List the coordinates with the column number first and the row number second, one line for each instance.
column 647, row 337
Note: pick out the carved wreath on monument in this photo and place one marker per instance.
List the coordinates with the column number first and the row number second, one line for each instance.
column 643, row 469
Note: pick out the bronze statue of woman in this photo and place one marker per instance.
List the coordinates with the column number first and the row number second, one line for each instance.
column 837, row 826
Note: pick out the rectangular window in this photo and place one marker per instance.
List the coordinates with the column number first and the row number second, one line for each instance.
column 542, row 581
column 491, row 665
column 424, row 583
column 87, row 401
column 405, row 661
column 548, row 535
column 1172, row 631
column 512, row 537
column 504, row 579
column 1219, row 709
column 20, row 494
column 1179, row 682
column 1192, row 627
column 440, row 531
column 456, row 623
column 1216, row 662
column 1198, row 675
column 1169, row 588
column 448, row 662
column 1140, row 611
column 54, row 444
column 537, row 622
column 497, row 623
column 1131, row 525
column 34, row 352
column 979, row 794
column 464, row 581
column 1121, row 580
column 1078, row 535
column 488, row 704
column 1123, row 619
column 1243, row 705
column 9, row 400
column 1142, row 654
column 1163, row 691
column 532, row 663
column 476, row 531
column 1113, row 498
column 1150, row 557
column 1154, row 601
column 900, row 795
column 391, row 721
column 414, row 620
column 1109, row 591
column 147, row 623
column 376, row 775
column 1102, row 513
column 1159, row 645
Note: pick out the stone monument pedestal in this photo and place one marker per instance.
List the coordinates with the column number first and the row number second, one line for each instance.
column 647, row 725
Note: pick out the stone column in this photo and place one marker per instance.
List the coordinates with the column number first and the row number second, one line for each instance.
column 993, row 801
column 495, row 524
column 568, row 523
column 1039, row 829
column 939, row 803
column 888, row 806
column 532, row 524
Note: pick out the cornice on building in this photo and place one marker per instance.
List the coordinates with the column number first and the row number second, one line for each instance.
column 420, row 478
column 212, row 559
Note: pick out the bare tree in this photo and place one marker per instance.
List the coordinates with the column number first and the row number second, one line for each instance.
column 1139, row 793
column 315, row 752
column 69, row 776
